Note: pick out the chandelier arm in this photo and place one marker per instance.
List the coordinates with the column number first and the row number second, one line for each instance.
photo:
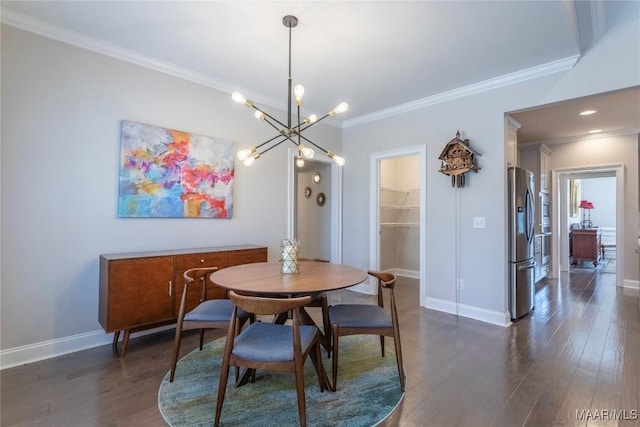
column 313, row 143
column 311, row 124
column 283, row 132
column 298, row 127
column 270, row 116
column 273, row 146
column 269, row 140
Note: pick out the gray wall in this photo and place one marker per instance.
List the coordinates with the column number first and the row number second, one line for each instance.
column 602, row 193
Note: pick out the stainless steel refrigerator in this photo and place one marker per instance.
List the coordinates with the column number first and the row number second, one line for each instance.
column 521, row 234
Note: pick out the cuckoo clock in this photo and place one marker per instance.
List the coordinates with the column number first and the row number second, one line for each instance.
column 458, row 158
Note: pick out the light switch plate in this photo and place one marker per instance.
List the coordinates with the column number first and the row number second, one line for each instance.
column 478, row 222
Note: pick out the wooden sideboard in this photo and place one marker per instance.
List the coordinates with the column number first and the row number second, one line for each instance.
column 142, row 290
column 585, row 244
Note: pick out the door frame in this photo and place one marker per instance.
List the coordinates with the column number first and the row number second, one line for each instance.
column 374, row 210
column 559, row 210
column 336, row 203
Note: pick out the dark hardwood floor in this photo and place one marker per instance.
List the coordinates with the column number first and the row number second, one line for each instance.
column 578, row 351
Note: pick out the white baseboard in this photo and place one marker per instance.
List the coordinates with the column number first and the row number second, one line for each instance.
column 405, row 273
column 631, row 284
column 364, row 288
column 472, row 312
column 47, row 349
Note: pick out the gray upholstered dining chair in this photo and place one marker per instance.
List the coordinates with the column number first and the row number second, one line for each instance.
column 272, row 346
column 208, row 314
column 368, row 319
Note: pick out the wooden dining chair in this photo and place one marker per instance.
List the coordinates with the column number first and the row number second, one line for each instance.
column 272, row 346
column 208, row 314
column 368, row 319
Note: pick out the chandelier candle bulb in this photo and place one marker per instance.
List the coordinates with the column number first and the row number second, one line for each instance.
column 299, row 92
column 244, row 154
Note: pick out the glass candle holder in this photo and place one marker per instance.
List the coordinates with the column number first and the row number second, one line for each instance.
column 290, row 249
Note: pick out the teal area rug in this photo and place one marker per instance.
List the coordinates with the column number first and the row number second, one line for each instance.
column 368, row 390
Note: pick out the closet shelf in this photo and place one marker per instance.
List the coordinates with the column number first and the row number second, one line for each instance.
column 398, row 190
column 399, row 224
column 400, row 206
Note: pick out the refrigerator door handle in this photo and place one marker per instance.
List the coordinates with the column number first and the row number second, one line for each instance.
column 529, row 220
column 528, row 267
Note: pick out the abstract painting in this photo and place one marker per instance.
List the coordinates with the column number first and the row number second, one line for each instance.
column 166, row 173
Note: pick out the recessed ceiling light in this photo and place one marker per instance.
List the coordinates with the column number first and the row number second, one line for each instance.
column 588, row 112
column 595, row 131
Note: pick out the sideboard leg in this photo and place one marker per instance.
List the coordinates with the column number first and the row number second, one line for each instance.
column 125, row 342
column 114, row 344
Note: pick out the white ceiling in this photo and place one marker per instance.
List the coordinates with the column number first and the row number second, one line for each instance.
column 375, row 55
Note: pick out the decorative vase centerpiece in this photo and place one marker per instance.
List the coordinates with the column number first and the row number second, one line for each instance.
column 290, row 249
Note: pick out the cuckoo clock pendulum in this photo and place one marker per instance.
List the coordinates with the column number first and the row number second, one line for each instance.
column 458, row 158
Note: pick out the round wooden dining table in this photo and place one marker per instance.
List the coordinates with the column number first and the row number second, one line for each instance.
column 265, row 278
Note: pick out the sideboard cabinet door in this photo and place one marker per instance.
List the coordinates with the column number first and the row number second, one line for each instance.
column 246, row 256
column 184, row 263
column 139, row 292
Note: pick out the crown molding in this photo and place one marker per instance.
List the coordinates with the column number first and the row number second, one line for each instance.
column 529, row 145
column 36, row 26
column 45, row 29
column 484, row 86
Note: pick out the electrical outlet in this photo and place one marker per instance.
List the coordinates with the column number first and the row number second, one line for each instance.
column 460, row 285
column 478, row 222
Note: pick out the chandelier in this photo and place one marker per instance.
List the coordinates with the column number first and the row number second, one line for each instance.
column 288, row 132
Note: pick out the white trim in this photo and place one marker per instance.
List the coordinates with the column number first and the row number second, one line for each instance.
column 31, row 353
column 403, row 272
column 336, row 202
column 532, row 145
column 482, row 314
column 374, row 212
column 45, row 29
column 501, row 81
column 64, row 35
column 631, row 284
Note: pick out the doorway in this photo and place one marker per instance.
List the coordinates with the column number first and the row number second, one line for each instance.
column 315, row 216
column 398, row 214
column 313, row 209
column 562, row 207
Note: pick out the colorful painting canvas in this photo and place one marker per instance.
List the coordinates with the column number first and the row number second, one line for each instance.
column 166, row 173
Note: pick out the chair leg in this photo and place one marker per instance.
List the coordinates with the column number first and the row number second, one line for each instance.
column 176, row 351
column 334, row 351
column 201, row 338
column 398, row 345
column 316, row 359
column 302, row 410
column 403, row 380
column 326, row 325
column 222, row 388
column 382, row 344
